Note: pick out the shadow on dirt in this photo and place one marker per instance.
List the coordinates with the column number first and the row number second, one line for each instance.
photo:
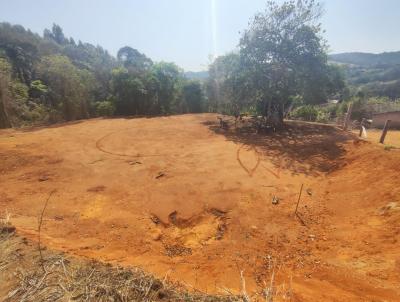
column 302, row 148
column 34, row 128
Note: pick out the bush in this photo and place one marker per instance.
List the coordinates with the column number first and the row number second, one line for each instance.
column 105, row 108
column 341, row 109
column 38, row 89
column 19, row 109
column 323, row 116
column 305, row 113
column 38, row 113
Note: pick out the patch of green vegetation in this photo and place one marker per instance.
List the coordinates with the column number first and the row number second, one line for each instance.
column 389, row 147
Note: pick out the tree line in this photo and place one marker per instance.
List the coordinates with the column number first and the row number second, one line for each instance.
column 51, row 78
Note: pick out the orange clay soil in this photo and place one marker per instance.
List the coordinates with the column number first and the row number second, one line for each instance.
column 182, row 198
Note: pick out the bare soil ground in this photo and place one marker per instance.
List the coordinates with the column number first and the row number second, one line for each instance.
column 392, row 137
column 180, row 197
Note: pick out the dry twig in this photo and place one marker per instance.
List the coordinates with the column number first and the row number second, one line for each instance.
column 40, row 227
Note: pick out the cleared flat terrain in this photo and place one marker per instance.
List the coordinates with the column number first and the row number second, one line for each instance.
column 182, row 198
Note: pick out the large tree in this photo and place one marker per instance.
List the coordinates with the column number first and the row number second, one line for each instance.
column 133, row 60
column 56, row 34
column 129, row 91
column 285, row 54
column 169, row 77
column 229, row 85
column 193, row 96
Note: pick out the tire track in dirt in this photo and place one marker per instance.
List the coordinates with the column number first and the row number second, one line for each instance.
column 102, row 149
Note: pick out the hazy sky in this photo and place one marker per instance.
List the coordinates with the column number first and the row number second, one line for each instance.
column 188, row 32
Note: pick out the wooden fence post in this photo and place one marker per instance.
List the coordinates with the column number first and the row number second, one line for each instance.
column 348, row 116
column 361, row 126
column 384, row 132
column 298, row 200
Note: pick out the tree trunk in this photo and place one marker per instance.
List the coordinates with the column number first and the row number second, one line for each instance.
column 4, row 120
column 281, row 112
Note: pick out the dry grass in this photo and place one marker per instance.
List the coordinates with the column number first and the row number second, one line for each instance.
column 71, row 279
column 6, row 220
column 58, row 278
column 5, row 224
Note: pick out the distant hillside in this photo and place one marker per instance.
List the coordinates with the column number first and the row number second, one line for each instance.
column 196, row 75
column 374, row 74
column 367, row 59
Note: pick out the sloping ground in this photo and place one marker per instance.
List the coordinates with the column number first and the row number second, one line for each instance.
column 362, row 201
column 178, row 196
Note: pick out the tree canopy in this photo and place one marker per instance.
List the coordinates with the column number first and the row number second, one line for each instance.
column 52, row 78
column 282, row 56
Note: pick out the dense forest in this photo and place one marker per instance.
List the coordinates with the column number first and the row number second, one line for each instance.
column 281, row 64
column 52, row 78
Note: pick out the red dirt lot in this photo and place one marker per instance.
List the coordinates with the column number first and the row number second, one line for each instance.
column 186, row 200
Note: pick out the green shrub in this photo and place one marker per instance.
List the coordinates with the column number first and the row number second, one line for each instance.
column 323, row 116
column 18, row 110
column 38, row 113
column 105, row 108
column 38, row 89
column 341, row 109
column 305, row 113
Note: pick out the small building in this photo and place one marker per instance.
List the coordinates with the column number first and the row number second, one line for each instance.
column 379, row 119
column 333, row 102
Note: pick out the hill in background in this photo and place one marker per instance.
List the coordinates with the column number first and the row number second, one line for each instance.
column 367, row 59
column 373, row 74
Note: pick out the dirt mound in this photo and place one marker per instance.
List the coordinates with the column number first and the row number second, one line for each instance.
column 185, row 234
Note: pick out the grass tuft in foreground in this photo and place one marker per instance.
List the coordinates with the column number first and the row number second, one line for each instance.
column 57, row 278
